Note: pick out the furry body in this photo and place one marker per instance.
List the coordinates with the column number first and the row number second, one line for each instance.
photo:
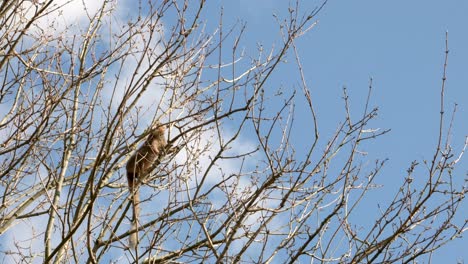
column 138, row 167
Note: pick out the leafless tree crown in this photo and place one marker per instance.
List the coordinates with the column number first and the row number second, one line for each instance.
column 243, row 179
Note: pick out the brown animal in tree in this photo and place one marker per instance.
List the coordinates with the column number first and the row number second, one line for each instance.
column 138, row 168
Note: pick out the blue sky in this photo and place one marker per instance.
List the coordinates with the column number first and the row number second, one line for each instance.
column 401, row 45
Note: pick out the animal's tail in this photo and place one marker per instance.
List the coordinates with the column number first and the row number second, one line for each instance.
column 135, row 198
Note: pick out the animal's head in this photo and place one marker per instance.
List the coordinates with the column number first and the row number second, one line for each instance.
column 158, row 130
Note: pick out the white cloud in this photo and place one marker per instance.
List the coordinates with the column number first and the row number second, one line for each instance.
column 73, row 17
column 65, row 14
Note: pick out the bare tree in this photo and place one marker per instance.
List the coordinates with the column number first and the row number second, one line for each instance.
column 231, row 185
